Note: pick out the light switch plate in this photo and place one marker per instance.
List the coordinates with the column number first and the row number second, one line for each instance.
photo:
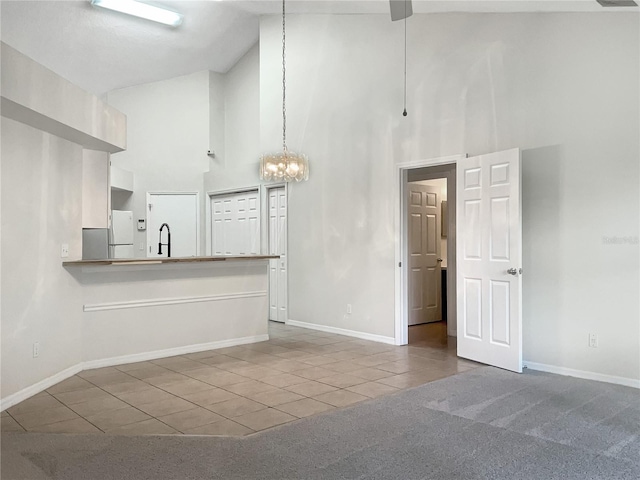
column 64, row 251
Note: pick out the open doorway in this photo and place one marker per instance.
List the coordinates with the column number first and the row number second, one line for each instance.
column 179, row 212
column 430, row 248
column 427, row 257
column 484, row 254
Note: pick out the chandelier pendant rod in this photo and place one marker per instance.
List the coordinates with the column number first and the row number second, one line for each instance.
column 284, row 83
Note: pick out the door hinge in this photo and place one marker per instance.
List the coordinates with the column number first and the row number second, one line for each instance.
column 400, row 264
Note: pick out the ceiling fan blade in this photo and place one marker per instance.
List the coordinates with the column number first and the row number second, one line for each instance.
column 400, row 9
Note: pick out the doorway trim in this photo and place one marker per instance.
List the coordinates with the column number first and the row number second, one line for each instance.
column 265, row 231
column 228, row 191
column 401, row 277
column 148, row 213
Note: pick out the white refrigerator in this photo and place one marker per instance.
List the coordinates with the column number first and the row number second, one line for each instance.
column 121, row 234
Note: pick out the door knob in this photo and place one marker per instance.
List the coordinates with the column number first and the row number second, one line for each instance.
column 512, row 271
column 439, row 260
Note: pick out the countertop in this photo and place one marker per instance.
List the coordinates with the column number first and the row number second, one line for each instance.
column 164, row 260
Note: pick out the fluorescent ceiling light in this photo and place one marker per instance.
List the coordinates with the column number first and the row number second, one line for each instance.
column 142, row 10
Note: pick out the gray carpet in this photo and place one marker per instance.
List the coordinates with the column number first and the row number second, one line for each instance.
column 483, row 424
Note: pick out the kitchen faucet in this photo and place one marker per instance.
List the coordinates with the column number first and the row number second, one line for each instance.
column 168, row 244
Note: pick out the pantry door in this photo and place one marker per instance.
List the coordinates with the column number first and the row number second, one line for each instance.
column 277, row 209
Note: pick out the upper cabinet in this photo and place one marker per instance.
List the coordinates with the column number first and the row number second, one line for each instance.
column 121, row 180
column 36, row 96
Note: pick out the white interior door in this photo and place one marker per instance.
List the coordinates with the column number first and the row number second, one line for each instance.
column 489, row 255
column 425, row 279
column 235, row 224
column 180, row 212
column 278, row 246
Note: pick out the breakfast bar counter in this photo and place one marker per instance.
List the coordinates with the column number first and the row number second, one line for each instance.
column 141, row 309
column 164, row 260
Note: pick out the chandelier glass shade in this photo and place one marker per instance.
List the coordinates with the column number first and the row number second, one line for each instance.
column 284, row 166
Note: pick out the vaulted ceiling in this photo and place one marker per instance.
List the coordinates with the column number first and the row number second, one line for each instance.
column 101, row 50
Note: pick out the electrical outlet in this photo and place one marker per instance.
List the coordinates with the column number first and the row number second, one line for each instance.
column 36, row 349
column 64, row 251
column 349, row 309
column 593, row 340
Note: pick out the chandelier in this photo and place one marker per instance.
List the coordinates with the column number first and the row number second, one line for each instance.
column 285, row 166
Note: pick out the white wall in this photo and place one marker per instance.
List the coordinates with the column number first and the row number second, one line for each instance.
column 238, row 166
column 168, row 139
column 41, row 210
column 563, row 87
column 216, row 118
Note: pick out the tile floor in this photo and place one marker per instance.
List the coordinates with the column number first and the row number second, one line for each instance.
column 238, row 390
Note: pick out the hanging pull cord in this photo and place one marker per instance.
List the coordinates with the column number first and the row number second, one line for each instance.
column 404, row 113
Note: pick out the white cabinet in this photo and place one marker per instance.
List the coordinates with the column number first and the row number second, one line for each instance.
column 121, row 180
column 95, row 189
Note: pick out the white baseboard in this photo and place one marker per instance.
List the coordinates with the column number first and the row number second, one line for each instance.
column 41, row 386
column 170, row 352
column 343, row 331
column 570, row 372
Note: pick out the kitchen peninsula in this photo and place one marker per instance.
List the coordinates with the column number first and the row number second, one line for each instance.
column 141, row 309
column 61, row 318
